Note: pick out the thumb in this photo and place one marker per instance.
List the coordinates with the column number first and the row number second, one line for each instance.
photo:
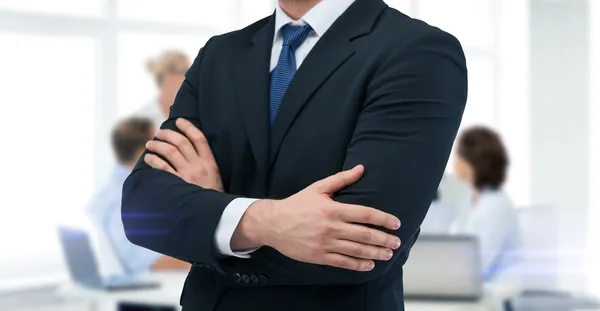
column 338, row 181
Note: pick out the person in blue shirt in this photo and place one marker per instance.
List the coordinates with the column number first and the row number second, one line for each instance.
column 482, row 162
column 128, row 141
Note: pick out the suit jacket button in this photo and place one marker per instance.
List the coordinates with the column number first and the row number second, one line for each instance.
column 263, row 279
column 237, row 277
column 245, row 278
column 201, row 265
column 254, row 279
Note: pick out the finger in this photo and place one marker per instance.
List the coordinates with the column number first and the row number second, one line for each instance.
column 348, row 263
column 359, row 250
column 169, row 152
column 158, row 163
column 368, row 215
column 181, row 142
column 338, row 181
column 365, row 235
column 196, row 137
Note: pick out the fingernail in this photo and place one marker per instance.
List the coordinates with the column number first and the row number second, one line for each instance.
column 147, row 143
column 396, row 224
column 396, row 244
column 389, row 254
column 370, row 266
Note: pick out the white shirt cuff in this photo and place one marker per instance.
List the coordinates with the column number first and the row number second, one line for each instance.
column 228, row 223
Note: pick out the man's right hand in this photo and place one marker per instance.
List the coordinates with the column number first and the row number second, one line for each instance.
column 311, row 227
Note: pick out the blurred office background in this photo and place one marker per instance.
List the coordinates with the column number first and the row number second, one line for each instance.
column 69, row 69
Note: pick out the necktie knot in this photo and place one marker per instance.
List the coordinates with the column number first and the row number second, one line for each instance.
column 293, row 36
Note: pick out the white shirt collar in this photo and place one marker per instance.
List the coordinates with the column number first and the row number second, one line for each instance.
column 320, row 17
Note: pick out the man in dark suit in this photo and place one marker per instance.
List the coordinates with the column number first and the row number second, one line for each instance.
column 349, row 89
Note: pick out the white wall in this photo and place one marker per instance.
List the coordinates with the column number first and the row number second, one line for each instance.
column 512, row 112
column 559, row 116
column 594, row 219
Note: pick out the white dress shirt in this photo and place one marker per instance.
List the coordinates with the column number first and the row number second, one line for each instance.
column 320, row 18
column 493, row 220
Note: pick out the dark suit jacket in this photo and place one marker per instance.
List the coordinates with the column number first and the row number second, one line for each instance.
column 379, row 89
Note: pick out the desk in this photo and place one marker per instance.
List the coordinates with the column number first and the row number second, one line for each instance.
column 39, row 294
column 492, row 300
column 172, row 284
column 444, row 306
column 55, row 305
column 167, row 294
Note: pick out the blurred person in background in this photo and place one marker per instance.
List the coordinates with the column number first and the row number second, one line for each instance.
column 482, row 163
column 128, row 141
column 439, row 217
column 168, row 71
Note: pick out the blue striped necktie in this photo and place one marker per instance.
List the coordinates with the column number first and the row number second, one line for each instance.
column 282, row 75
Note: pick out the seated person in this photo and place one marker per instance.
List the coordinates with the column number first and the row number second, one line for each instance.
column 439, row 217
column 128, row 141
column 481, row 162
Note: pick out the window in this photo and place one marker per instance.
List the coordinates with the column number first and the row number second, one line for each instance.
column 49, row 126
column 404, row 6
column 217, row 14
column 252, row 11
column 83, row 82
column 471, row 21
column 480, row 103
column 594, row 224
column 69, row 7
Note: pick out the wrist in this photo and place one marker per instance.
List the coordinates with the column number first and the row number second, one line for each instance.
column 251, row 230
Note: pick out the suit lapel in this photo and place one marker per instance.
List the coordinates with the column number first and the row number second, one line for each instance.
column 330, row 52
column 250, row 73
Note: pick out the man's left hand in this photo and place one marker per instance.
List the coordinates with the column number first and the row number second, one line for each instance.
column 189, row 155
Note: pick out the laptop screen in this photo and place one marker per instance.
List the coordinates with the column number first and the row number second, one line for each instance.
column 443, row 267
column 79, row 255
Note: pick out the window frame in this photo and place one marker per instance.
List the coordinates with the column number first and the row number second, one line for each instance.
column 105, row 29
column 593, row 256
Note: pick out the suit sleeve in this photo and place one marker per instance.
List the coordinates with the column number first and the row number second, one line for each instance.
column 403, row 136
column 162, row 212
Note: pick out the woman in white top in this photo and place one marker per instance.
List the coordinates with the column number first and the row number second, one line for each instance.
column 168, row 71
column 482, row 162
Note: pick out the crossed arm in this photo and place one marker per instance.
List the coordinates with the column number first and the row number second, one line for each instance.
column 411, row 116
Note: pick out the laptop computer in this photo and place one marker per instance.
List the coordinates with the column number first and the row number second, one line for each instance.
column 84, row 269
column 444, row 267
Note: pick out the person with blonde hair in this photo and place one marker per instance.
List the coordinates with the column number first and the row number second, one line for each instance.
column 168, row 71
